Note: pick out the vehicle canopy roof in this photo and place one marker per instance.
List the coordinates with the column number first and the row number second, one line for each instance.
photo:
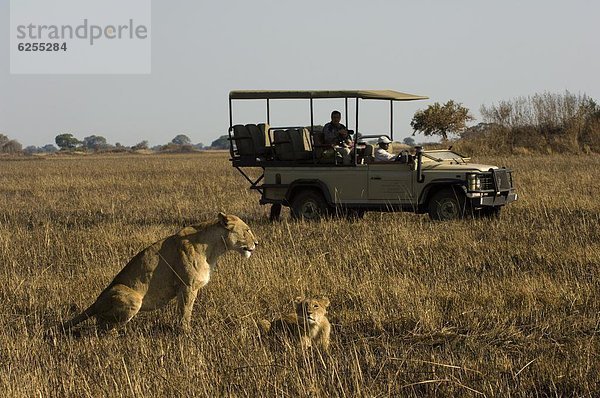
column 301, row 94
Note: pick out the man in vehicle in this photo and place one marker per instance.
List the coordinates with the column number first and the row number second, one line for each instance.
column 381, row 153
column 336, row 134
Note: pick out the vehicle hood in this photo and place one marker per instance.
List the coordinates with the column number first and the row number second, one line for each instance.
column 452, row 166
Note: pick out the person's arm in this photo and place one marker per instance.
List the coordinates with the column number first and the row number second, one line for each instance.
column 382, row 155
column 343, row 136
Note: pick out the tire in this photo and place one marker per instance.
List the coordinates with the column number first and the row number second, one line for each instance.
column 309, row 205
column 447, row 204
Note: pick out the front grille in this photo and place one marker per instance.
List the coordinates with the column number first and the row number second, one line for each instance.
column 503, row 179
column 487, row 182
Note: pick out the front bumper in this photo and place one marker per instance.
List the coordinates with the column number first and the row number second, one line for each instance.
column 494, row 201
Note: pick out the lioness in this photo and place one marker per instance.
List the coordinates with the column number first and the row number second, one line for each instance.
column 177, row 266
column 308, row 325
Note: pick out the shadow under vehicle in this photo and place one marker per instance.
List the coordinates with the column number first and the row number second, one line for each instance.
column 301, row 171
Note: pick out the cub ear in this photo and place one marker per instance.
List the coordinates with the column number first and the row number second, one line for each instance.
column 323, row 300
column 223, row 220
column 298, row 300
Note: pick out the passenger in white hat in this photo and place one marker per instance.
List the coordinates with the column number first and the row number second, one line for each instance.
column 381, row 153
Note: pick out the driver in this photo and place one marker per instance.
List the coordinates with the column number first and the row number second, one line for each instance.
column 381, row 153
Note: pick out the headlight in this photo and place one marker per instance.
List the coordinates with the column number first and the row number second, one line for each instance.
column 473, row 182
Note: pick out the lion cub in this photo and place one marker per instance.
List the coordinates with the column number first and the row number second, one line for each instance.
column 308, row 325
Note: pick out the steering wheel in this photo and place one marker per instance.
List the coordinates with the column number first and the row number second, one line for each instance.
column 399, row 157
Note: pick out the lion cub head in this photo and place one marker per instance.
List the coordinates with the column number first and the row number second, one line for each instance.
column 239, row 238
column 311, row 311
column 308, row 325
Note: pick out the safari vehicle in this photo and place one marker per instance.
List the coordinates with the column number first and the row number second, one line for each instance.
column 299, row 171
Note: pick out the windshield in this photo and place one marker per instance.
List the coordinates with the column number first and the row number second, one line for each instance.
column 444, row 155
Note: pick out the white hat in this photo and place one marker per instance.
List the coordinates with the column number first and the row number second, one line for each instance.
column 383, row 140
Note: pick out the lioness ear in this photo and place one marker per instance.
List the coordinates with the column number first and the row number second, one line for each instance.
column 324, row 301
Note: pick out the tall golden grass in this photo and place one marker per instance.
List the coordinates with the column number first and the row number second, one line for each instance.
column 498, row 308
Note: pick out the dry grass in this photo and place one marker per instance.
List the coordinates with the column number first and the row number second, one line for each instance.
column 500, row 308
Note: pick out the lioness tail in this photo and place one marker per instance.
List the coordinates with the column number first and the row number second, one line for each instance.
column 89, row 312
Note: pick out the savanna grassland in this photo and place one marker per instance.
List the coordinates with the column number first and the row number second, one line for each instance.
column 499, row 308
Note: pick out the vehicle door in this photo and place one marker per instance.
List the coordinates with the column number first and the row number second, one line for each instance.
column 391, row 182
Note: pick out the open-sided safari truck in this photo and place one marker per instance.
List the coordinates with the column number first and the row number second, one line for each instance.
column 301, row 171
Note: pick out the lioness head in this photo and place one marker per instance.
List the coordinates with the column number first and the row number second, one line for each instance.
column 239, row 238
column 311, row 310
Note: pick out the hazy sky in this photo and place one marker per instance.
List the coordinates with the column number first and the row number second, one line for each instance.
column 473, row 51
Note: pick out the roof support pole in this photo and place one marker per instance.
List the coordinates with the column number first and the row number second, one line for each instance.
column 312, row 130
column 268, row 113
column 312, row 120
column 346, row 110
column 230, row 114
column 392, row 120
column 356, row 135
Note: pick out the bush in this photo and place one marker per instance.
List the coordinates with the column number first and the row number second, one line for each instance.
column 544, row 123
column 9, row 146
column 220, row 143
column 174, row 148
column 140, row 146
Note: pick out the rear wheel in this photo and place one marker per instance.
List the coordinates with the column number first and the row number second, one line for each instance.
column 309, row 205
column 447, row 204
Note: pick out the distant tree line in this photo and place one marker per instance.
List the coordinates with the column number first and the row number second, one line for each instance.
column 67, row 142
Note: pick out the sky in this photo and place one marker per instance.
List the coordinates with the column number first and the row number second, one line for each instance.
column 472, row 51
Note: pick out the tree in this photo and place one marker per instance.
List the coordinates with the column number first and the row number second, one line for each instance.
column 9, row 146
column 221, row 143
column 409, row 141
column 181, row 139
column 31, row 149
column 437, row 119
column 49, row 148
column 12, row 146
column 140, row 145
column 94, row 142
column 66, row 141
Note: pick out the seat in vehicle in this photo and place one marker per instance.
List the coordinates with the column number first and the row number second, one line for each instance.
column 369, row 156
column 243, row 141
column 292, row 144
column 258, row 140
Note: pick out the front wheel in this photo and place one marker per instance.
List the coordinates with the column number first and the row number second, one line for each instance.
column 447, row 204
column 309, row 205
